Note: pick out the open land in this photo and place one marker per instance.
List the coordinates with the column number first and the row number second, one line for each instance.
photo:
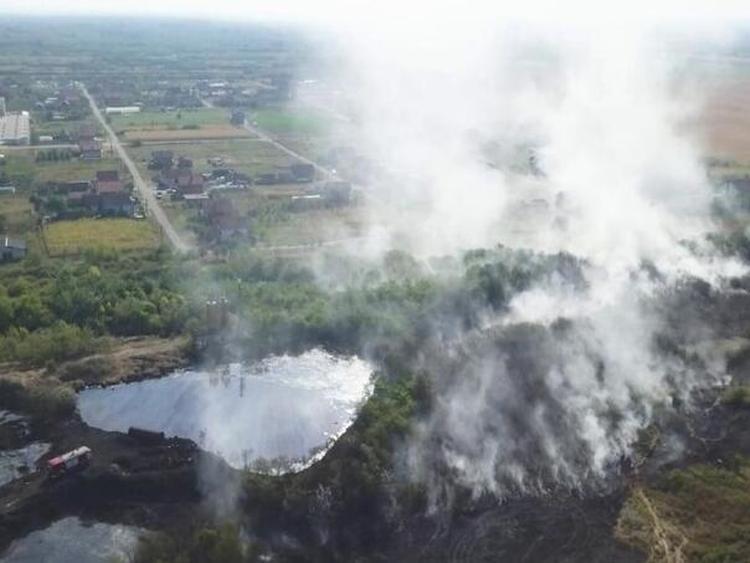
column 65, row 238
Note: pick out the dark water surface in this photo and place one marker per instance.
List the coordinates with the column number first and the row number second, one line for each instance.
column 282, row 407
column 72, row 541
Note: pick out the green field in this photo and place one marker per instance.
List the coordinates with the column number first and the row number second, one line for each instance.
column 22, row 170
column 291, row 121
column 179, row 119
column 72, row 237
column 74, row 169
column 16, row 214
column 250, row 156
column 41, row 127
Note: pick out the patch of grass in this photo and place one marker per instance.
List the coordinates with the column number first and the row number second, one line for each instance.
column 177, row 119
column 69, row 126
column 249, row 156
column 292, row 121
column 16, row 214
column 701, row 513
column 738, row 396
column 75, row 169
column 187, row 133
column 74, row 237
column 22, row 170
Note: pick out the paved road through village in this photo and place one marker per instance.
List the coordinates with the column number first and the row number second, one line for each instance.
column 147, row 194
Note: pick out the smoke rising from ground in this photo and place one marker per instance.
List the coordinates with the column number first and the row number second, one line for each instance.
column 553, row 140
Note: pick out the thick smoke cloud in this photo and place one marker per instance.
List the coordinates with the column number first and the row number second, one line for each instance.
column 553, row 140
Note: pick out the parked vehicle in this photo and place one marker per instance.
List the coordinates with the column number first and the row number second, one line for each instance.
column 74, row 460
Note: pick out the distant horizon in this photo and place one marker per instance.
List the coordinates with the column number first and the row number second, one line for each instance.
column 337, row 12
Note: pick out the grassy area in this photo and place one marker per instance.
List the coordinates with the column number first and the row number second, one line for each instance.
column 74, row 169
column 42, row 127
column 180, row 215
column 21, row 165
column 16, row 214
column 698, row 514
column 199, row 117
column 72, row 237
column 250, row 156
column 203, row 133
column 292, row 121
column 313, row 226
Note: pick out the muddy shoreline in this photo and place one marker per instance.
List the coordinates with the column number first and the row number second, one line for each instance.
column 149, row 485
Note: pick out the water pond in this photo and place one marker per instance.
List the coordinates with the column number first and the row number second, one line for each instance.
column 71, row 540
column 277, row 414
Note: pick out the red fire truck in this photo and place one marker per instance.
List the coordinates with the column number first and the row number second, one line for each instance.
column 68, row 462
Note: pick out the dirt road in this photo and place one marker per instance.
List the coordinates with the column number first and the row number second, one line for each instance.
column 262, row 135
column 147, row 194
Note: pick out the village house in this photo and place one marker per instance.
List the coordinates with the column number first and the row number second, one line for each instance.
column 161, row 160
column 337, row 193
column 303, row 172
column 184, row 181
column 109, row 203
column 108, row 181
column 12, row 249
column 90, row 150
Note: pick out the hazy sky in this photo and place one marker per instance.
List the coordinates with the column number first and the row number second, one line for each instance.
column 341, row 11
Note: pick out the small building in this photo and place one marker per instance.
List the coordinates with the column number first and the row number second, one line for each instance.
column 190, row 183
column 238, row 117
column 337, row 193
column 121, row 110
column 90, row 150
column 303, row 172
column 109, row 203
column 108, row 181
column 85, row 133
column 12, row 249
column 161, row 160
column 15, row 128
column 306, row 202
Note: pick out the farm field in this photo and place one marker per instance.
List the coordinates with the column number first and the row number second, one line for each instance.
column 177, row 119
column 292, row 121
column 178, row 125
column 22, row 169
column 250, row 156
column 16, row 214
column 209, row 132
column 41, row 127
column 723, row 120
column 314, row 226
column 74, row 169
column 73, row 237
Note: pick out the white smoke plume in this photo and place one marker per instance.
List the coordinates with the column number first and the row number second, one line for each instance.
column 552, row 139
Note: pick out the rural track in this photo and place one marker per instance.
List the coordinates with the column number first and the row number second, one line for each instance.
column 263, row 136
column 147, row 194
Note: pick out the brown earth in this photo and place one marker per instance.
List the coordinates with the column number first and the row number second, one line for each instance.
column 207, row 132
column 128, row 359
column 723, row 125
column 151, row 485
